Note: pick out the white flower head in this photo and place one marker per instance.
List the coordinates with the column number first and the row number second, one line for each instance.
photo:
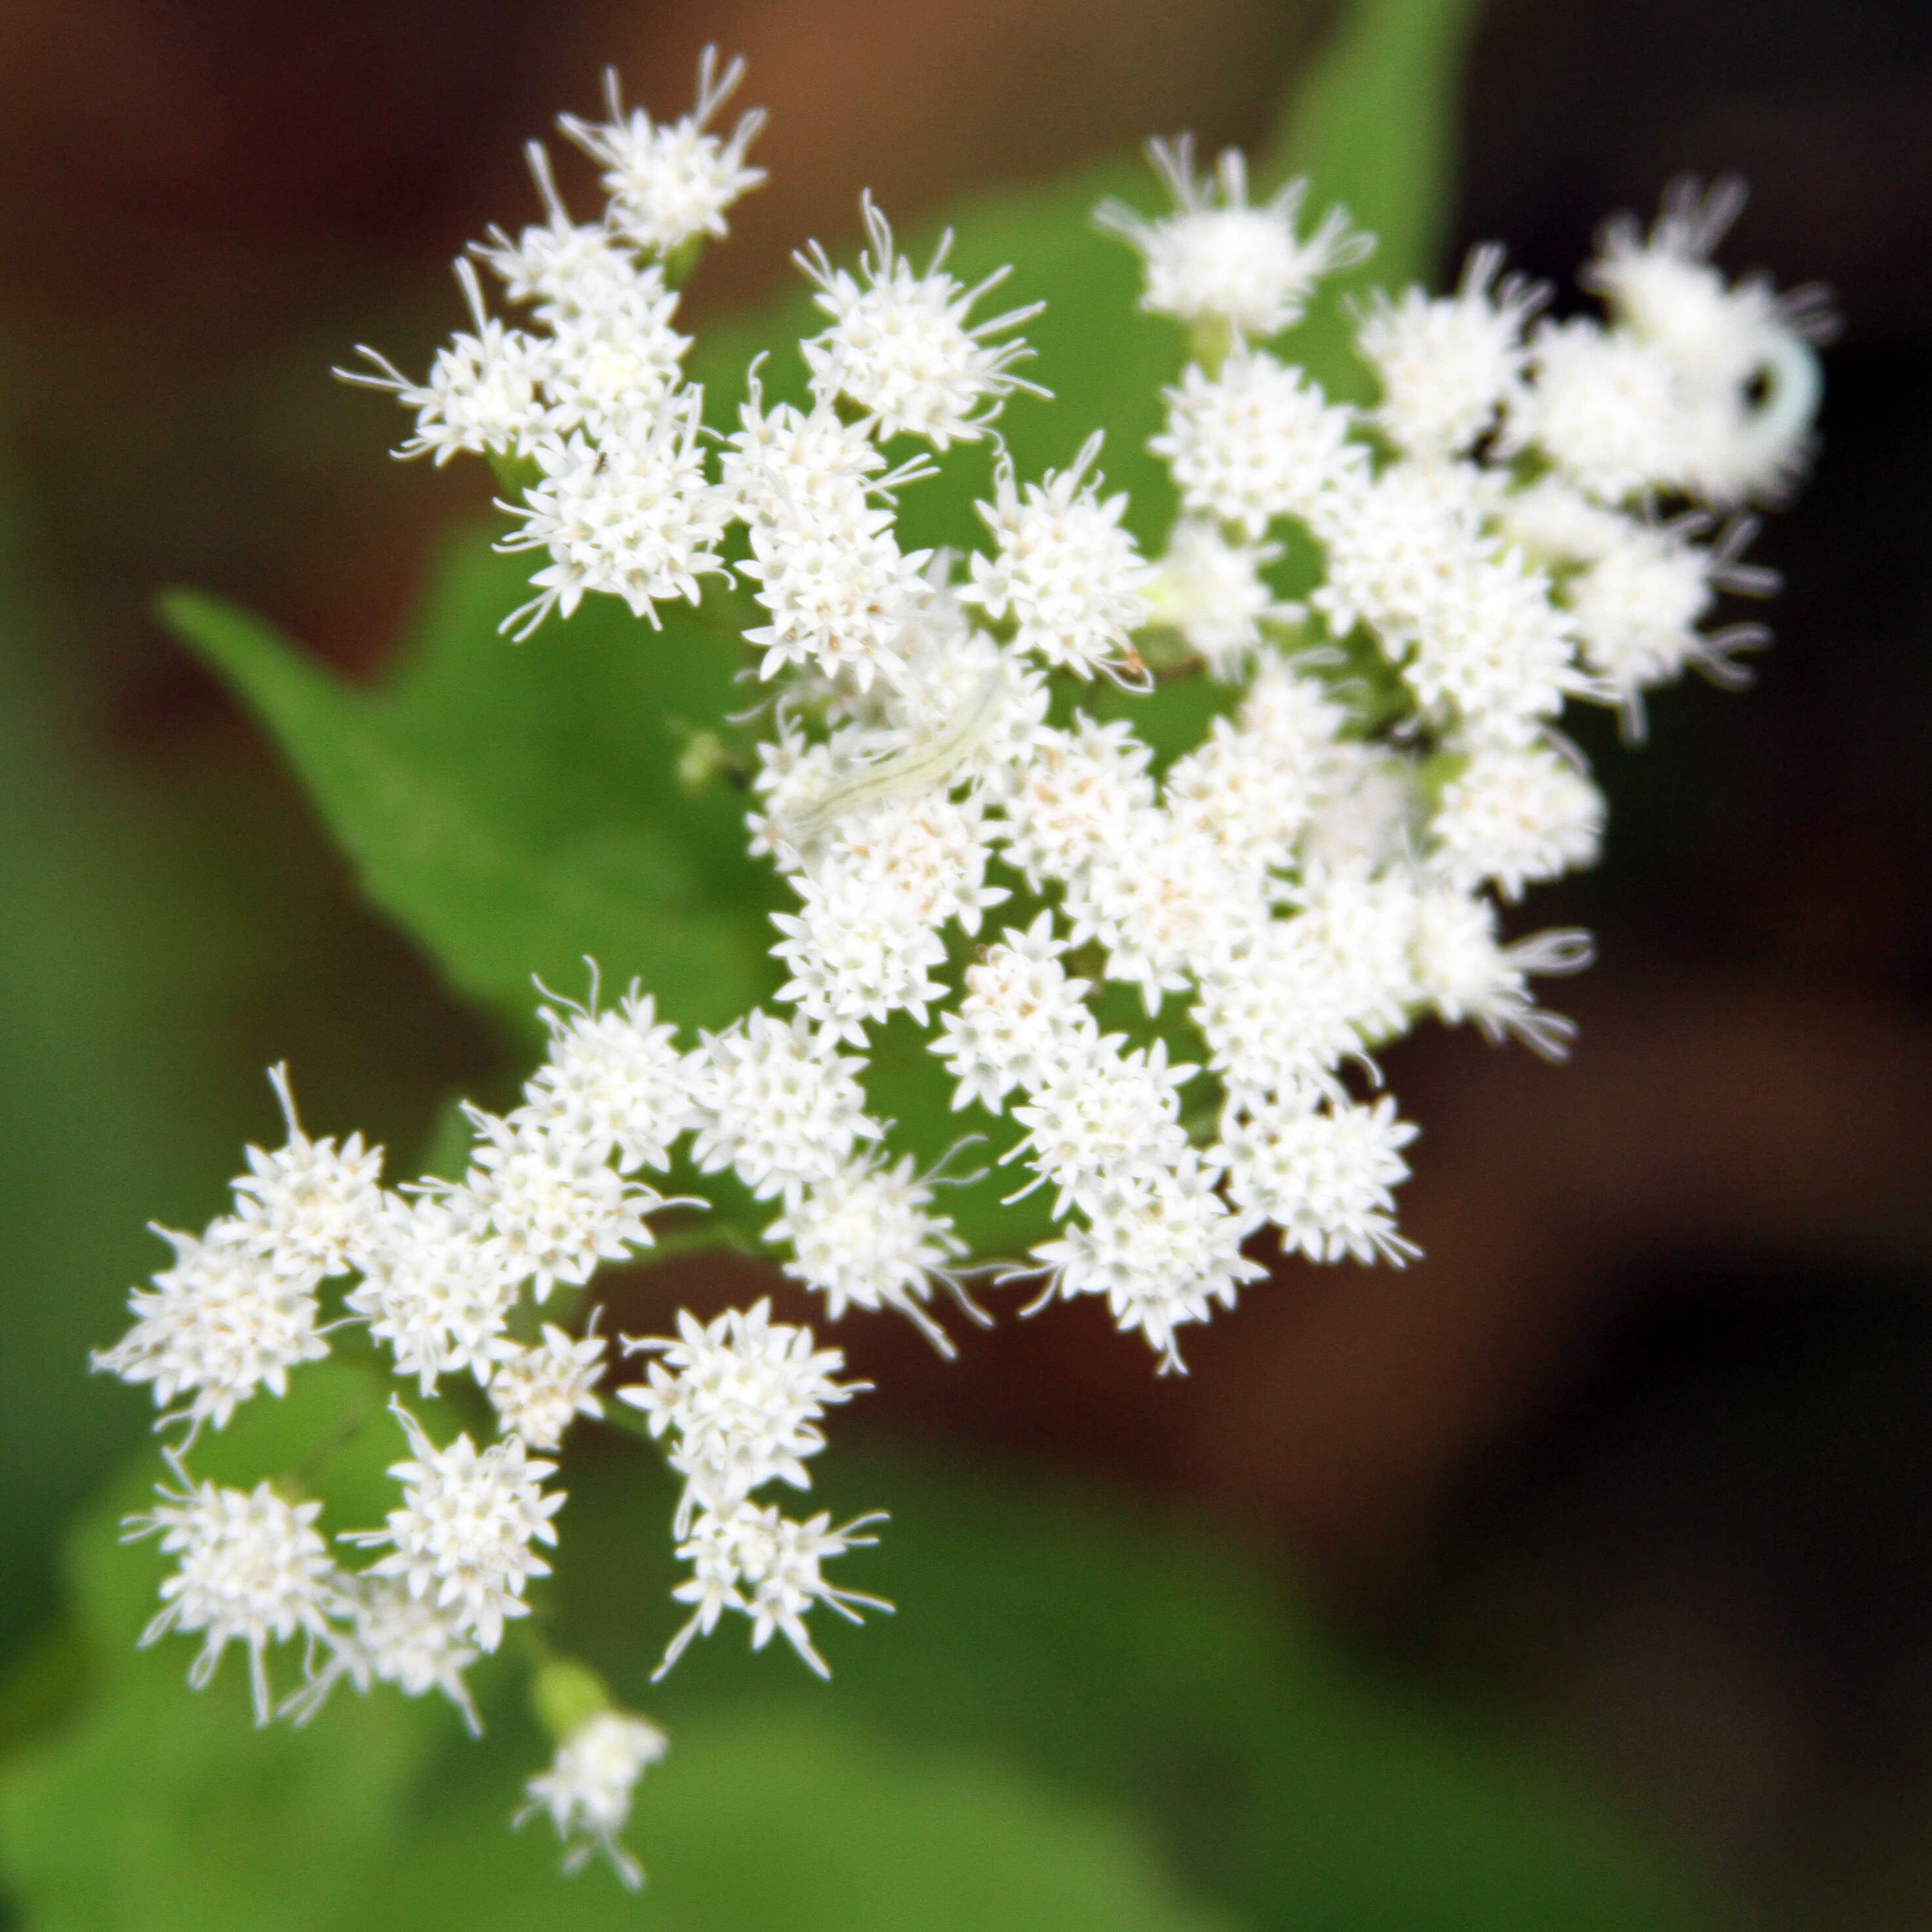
column 587, row 1791
column 1447, row 364
column 778, row 1103
column 615, row 366
column 1607, row 408
column 539, row 1391
column 632, row 516
column 1075, row 798
column 566, row 268
column 768, row 1568
column 1218, row 258
column 309, row 1207
column 743, row 1396
column 841, row 592
column 1250, row 794
column 437, row 1289
column 1513, row 817
column 1401, row 552
column 463, row 1536
column 1466, row 973
column 612, row 1078
column 483, row 393
column 1257, row 441
column 1161, row 1246
column 901, row 346
column 1280, row 1014
column 868, row 1238
column 1494, row 655
column 1325, row 1177
column 670, row 183
column 1168, row 900
column 1111, row 1119
column 216, row 1326
column 252, row 1569
column 1359, row 927
column 857, row 954
column 1070, row 578
column 785, row 462
column 546, row 1198
column 1021, row 1022
column 1637, row 607
column 1212, row 591
column 392, row 1637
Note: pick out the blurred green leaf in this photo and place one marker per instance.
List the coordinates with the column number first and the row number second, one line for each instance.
column 518, row 809
column 797, row 1821
column 160, row 1807
column 1082, row 1715
column 1153, row 1669
column 1373, row 127
column 156, row 1808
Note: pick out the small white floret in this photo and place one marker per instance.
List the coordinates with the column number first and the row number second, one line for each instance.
column 1021, row 1022
column 539, row 1391
column 1257, row 441
column 1213, row 593
column 1466, row 973
column 1325, row 1177
column 217, row 1326
column 547, row 1198
column 253, row 1569
column 463, row 1536
column 309, row 1207
column 1069, row 577
column 631, row 516
column 1218, row 258
column 485, row 392
column 1161, row 1246
column 671, row 182
column 1447, row 364
column 902, row 346
column 613, row 1079
column 778, row 1103
column 1513, row 817
column 868, row 1238
column 438, row 1290
column 742, row 1396
column 391, row 1637
column 587, row 1791
column 767, row 1568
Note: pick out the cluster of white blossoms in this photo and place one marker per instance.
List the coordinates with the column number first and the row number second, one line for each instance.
column 1155, row 988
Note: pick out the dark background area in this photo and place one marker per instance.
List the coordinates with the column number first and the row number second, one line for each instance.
column 1642, row 1450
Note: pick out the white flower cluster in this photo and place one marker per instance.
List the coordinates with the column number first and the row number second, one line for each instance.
column 1167, row 1031
column 742, row 1399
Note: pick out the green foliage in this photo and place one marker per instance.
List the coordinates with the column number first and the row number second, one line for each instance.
column 1373, row 127
column 124, row 955
column 1080, row 1717
column 518, row 809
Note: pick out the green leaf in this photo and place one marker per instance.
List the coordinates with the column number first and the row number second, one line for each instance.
column 1374, row 127
column 1148, row 1668
column 804, row 1823
column 516, row 809
column 1083, row 1714
column 159, row 1808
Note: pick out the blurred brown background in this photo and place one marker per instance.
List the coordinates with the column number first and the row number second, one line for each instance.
column 1643, row 1449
